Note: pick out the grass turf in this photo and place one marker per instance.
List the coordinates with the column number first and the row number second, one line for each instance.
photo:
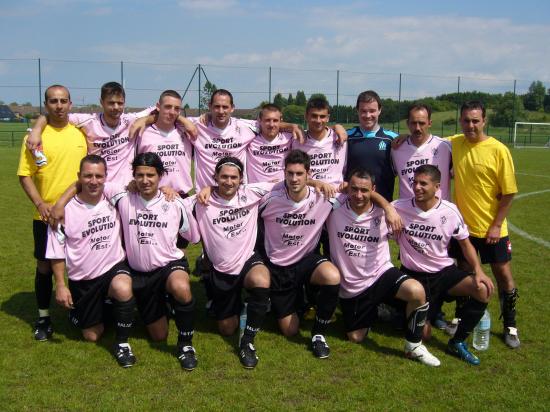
column 69, row 374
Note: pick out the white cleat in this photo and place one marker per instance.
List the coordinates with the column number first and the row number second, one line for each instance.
column 421, row 354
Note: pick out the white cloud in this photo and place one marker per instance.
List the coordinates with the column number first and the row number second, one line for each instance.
column 208, row 5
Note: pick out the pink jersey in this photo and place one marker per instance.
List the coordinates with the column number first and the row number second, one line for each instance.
column 426, row 235
column 358, row 246
column 175, row 151
column 407, row 157
column 89, row 241
column 265, row 159
column 328, row 158
column 292, row 230
column 212, row 144
column 229, row 227
column 113, row 145
column 151, row 228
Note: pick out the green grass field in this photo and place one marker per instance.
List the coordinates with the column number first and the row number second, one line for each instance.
column 69, row 374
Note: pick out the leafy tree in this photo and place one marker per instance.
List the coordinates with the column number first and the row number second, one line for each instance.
column 290, row 99
column 534, row 99
column 294, row 114
column 207, row 90
column 547, row 102
column 300, row 98
column 318, row 96
column 279, row 100
column 504, row 114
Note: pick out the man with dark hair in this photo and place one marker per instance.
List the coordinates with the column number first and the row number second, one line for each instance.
column 430, row 224
column 266, row 152
column 293, row 217
column 360, row 249
column 160, row 270
column 107, row 133
column 485, row 185
column 369, row 144
column 64, row 146
column 228, row 227
column 90, row 243
column 421, row 148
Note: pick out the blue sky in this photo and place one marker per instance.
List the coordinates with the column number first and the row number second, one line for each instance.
column 431, row 43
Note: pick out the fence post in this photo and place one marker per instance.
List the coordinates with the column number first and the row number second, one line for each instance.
column 513, row 114
column 337, row 96
column 269, row 81
column 457, row 105
column 39, row 87
column 399, row 105
column 200, row 94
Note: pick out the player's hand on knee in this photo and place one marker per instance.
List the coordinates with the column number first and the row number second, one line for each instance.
column 481, row 279
column 63, row 297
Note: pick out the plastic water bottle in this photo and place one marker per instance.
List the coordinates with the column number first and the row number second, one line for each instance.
column 482, row 332
column 242, row 322
column 39, row 157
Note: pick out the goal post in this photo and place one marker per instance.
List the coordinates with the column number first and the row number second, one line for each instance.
column 531, row 135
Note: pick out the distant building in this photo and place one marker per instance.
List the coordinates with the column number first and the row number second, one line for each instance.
column 6, row 115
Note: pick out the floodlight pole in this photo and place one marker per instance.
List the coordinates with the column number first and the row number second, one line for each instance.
column 337, row 95
column 399, row 104
column 39, row 87
column 122, row 73
column 457, row 105
column 199, row 89
column 513, row 114
column 269, row 80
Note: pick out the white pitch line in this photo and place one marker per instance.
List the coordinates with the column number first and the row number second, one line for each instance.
column 529, row 174
column 523, row 233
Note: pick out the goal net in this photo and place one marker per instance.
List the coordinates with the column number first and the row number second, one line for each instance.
column 528, row 134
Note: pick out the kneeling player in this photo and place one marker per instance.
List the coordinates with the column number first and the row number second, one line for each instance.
column 293, row 217
column 159, row 269
column 430, row 223
column 359, row 247
column 228, row 227
column 90, row 243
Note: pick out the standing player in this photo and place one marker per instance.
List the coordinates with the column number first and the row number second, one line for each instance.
column 267, row 151
column 327, row 153
column 359, row 240
column 485, row 185
column 228, row 226
column 64, row 146
column 150, row 226
column 421, row 148
column 169, row 143
column 293, row 217
column 90, row 243
column 369, row 144
column 430, row 223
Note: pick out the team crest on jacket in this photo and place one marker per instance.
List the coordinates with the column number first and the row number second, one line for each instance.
column 164, row 207
column 377, row 221
column 443, row 220
column 311, row 204
column 243, row 198
column 382, row 145
column 434, row 151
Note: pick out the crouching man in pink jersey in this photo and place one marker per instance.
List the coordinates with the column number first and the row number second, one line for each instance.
column 430, row 223
column 89, row 245
column 293, row 217
column 359, row 248
column 159, row 269
column 228, row 227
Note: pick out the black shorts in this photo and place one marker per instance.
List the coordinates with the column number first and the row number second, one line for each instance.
column 360, row 312
column 40, row 235
column 287, row 283
column 437, row 285
column 89, row 297
column 226, row 289
column 500, row 252
column 150, row 290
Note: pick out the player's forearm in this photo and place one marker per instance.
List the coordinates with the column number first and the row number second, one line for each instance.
column 504, row 206
column 58, row 268
column 67, row 195
column 30, row 190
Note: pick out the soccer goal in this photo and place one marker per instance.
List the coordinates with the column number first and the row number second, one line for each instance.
column 528, row 134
